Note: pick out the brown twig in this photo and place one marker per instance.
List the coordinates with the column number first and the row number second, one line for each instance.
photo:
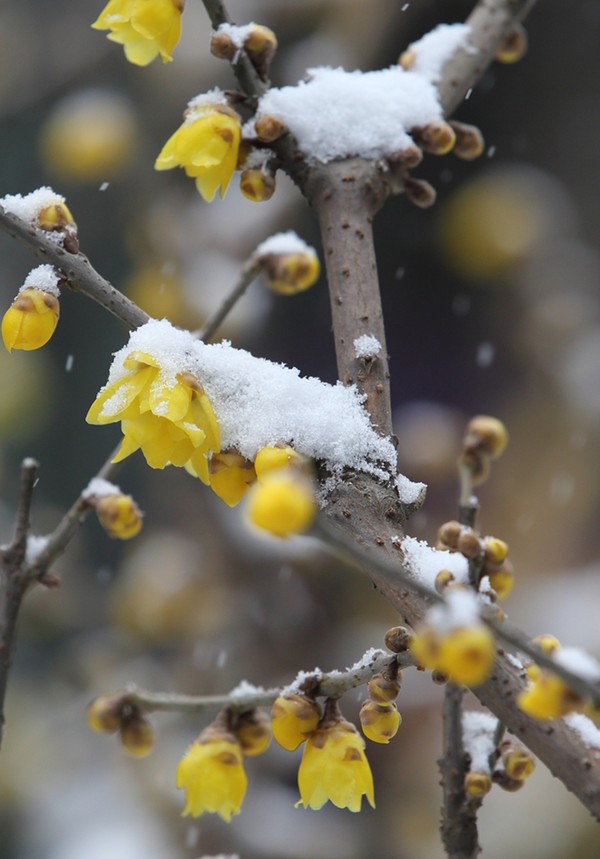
column 249, row 272
column 76, row 268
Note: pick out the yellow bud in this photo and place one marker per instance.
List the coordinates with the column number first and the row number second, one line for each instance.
column 284, row 504
column 494, row 552
column 466, row 655
column 260, row 45
column 547, row 643
column 294, row 718
column 437, row 138
column 469, row 141
column 137, row 735
column 55, row 217
column 502, row 581
column 104, row 713
column 256, row 185
column 231, row 476
column 269, row 459
column 31, row 319
column 379, row 722
column 119, row 515
column 382, row 689
column 407, row 59
column 477, row 784
column 487, row 435
column 514, row 46
column 518, row 762
column 253, row 732
column 442, row 580
column 288, row 274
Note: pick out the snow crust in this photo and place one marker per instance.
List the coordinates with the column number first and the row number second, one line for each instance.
column 579, row 662
column 259, row 403
column 27, row 207
column 236, row 33
column 283, row 243
column 199, row 102
column 367, row 346
column 44, row 277
column 35, row 546
column 97, row 487
column 433, row 50
column 409, row 491
column 478, row 738
column 424, row 562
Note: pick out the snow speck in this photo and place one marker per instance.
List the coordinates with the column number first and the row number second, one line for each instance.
column 478, row 738
column 491, row 151
column 283, row 243
column 405, row 7
column 486, row 352
column 367, row 346
column 27, row 207
column 586, row 729
column 468, row 93
column 339, row 114
column 514, row 660
column 432, row 51
column 44, row 277
column 424, row 562
column 104, row 186
column 245, row 690
column 35, row 546
column 69, row 363
column 98, row 487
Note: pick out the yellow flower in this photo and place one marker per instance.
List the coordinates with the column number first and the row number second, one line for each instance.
column 465, row 655
column 145, row 28
column 31, row 319
column 231, row 476
column 547, row 696
column 171, row 421
column 212, row 774
column 294, row 717
column 119, row 515
column 206, row 145
column 334, row 767
column 379, row 722
column 283, row 503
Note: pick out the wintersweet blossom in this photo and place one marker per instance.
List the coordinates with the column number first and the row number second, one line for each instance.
column 465, row 654
column 145, row 28
column 212, row 774
column 206, row 145
column 294, row 718
column 547, row 696
column 334, row 767
column 170, row 419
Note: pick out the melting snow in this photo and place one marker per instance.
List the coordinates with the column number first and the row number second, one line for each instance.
column 478, row 738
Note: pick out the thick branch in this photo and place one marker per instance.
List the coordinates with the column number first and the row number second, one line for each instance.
column 77, row 270
column 346, row 195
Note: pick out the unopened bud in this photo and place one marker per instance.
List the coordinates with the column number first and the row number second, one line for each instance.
column 283, row 504
column 546, row 642
column 31, row 320
column 477, row 784
column 257, row 185
column 514, row 46
column 274, row 457
column 222, row 46
column 268, row 128
column 503, row 780
column 438, row 677
column 437, row 138
column 469, row 141
column 449, row 533
column 407, row 59
column 442, row 580
column 260, row 45
column 119, row 515
column 518, row 761
column 379, row 722
column 494, row 553
column 382, row 689
column 137, row 735
column 397, row 639
column 104, row 713
column 502, row 580
column 253, row 732
column 405, row 159
column 469, row 544
column 419, row 192
column 55, row 216
column 289, row 273
column 487, row 435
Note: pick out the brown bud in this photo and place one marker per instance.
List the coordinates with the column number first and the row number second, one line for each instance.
column 397, row 639
column 383, row 689
column 419, row 192
column 512, row 785
column 437, row 138
column 405, row 159
column 514, row 46
column 260, row 45
column 442, row 580
column 494, row 552
column 487, row 435
column 469, row 141
column 269, row 128
column 469, row 544
column 449, row 533
column 222, row 46
column 105, row 712
column 137, row 735
column 407, row 59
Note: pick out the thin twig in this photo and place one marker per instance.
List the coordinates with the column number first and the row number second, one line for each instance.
column 77, row 270
column 248, row 273
column 459, row 817
column 326, row 685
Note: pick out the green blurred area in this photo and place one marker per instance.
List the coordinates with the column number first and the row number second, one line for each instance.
column 492, row 306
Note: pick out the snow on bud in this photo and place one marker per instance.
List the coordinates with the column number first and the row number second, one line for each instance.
column 222, row 45
column 31, row 320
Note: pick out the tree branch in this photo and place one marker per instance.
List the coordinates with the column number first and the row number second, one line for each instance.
column 249, row 272
column 76, row 268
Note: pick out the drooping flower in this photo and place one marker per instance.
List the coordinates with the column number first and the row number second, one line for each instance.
column 206, row 145
column 171, row 421
column 145, row 28
column 547, row 696
column 294, row 717
column 212, row 774
column 231, row 476
column 32, row 318
column 334, row 768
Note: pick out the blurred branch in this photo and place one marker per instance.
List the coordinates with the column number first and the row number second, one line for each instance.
column 76, row 268
column 459, row 817
column 249, row 272
column 318, row 684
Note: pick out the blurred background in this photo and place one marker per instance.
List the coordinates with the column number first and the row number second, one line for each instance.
column 492, row 306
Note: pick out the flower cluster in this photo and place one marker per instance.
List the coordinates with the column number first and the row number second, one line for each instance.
column 334, row 766
column 454, row 642
column 145, row 28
